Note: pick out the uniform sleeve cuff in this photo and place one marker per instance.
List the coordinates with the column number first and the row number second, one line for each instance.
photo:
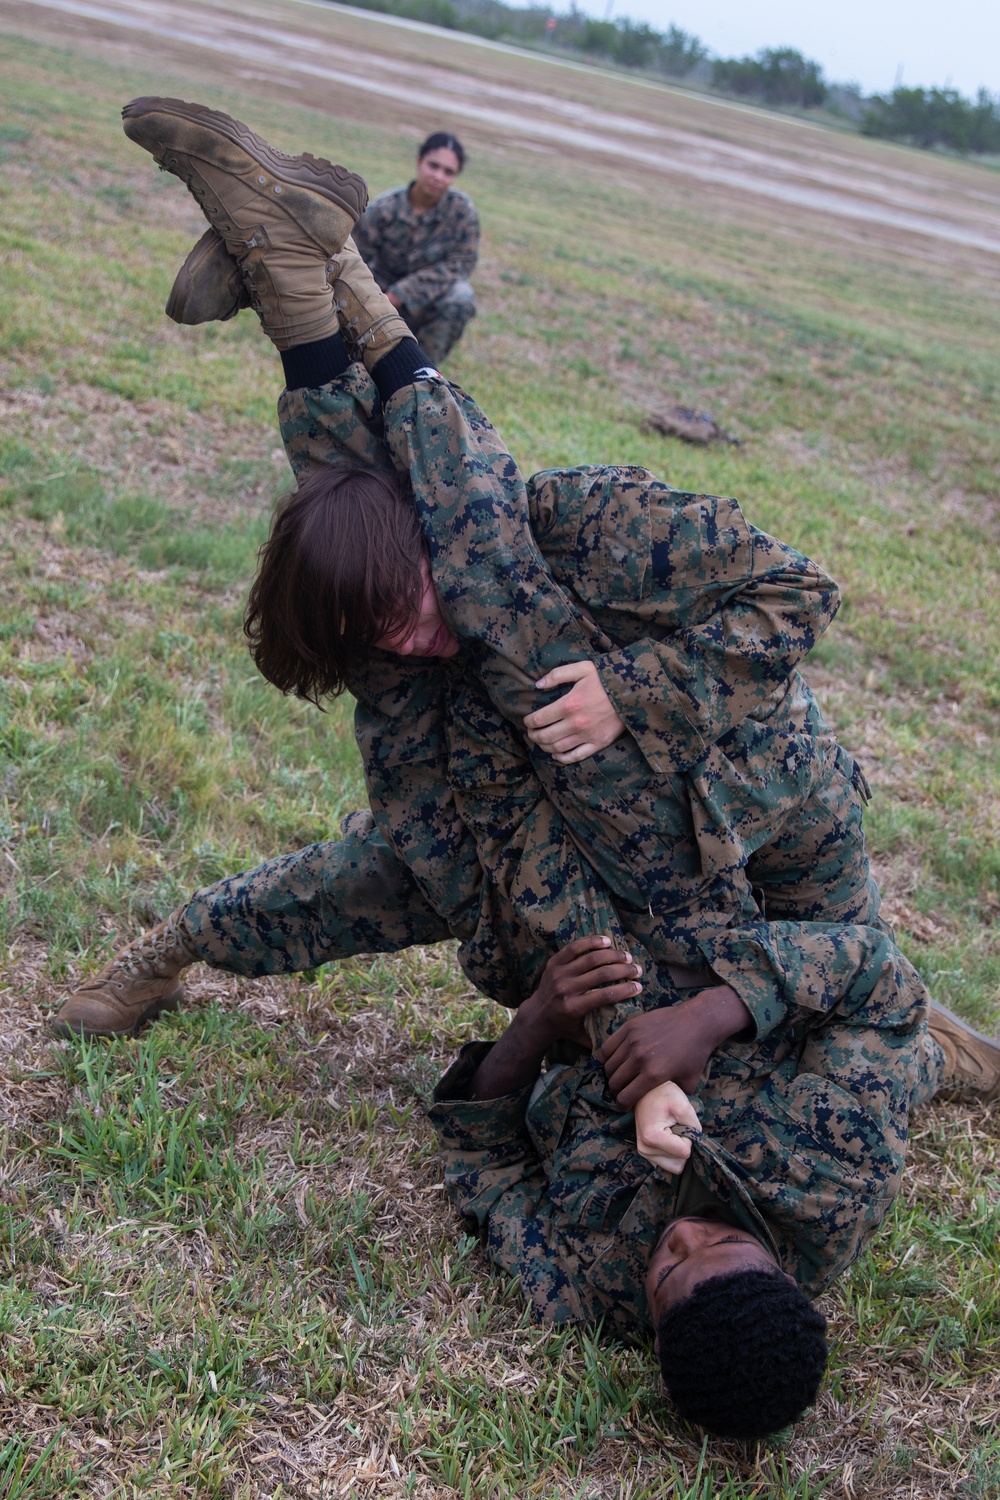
column 467, row 1124
column 751, row 966
column 646, row 702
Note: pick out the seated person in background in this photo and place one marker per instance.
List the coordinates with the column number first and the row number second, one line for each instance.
column 713, row 1219
column 421, row 243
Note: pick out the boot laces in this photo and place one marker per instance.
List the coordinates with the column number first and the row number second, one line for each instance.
column 143, row 958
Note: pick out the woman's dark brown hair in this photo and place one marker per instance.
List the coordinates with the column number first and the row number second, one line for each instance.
column 441, row 140
column 340, row 568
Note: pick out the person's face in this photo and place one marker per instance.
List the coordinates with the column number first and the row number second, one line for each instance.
column 428, row 635
column 690, row 1251
column 435, row 174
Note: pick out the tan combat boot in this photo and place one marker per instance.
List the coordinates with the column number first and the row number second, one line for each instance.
column 281, row 216
column 134, row 987
column 971, row 1060
column 209, row 286
column 369, row 322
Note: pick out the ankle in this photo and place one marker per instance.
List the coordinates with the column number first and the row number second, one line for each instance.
column 309, row 366
column 398, row 366
column 185, row 949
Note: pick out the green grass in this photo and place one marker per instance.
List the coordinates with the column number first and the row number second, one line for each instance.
column 228, row 1266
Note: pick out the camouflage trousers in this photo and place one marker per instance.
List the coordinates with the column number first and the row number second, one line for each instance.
column 440, row 324
column 327, row 901
column 616, row 850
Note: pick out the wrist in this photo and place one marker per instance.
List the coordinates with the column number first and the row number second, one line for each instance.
column 722, row 1015
column 534, row 1033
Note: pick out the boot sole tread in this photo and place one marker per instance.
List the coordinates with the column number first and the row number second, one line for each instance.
column 339, row 185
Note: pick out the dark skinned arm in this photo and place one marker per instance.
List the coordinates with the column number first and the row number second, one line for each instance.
column 586, row 974
column 672, row 1044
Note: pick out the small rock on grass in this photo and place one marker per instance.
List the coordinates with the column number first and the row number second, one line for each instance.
column 691, row 426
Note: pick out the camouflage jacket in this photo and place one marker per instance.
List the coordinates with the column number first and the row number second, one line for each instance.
column 419, row 256
column 521, row 855
column 803, row 1131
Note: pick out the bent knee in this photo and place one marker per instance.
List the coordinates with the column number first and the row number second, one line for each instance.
column 459, row 294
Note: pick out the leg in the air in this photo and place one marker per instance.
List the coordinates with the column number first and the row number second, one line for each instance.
column 280, row 216
column 277, row 219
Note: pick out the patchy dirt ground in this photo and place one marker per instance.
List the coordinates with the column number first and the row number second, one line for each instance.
column 328, row 56
column 336, row 1062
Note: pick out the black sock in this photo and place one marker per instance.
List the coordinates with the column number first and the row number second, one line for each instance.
column 398, row 367
column 307, row 366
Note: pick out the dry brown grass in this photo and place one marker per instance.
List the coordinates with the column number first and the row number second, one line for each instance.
column 141, row 759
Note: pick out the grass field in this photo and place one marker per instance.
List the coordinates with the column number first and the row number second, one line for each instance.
column 228, row 1266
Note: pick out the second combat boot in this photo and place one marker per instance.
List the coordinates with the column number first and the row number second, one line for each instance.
column 135, row 987
column 209, row 286
column 370, row 324
column 971, row 1060
column 281, row 217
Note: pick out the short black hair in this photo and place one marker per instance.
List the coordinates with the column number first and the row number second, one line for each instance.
column 442, row 141
column 744, row 1355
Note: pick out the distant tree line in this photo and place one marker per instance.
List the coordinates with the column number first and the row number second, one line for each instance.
column 631, row 44
column 777, row 76
column 935, row 117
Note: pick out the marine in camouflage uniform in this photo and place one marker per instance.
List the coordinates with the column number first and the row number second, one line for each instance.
column 426, row 260
column 726, row 780
column 802, row 1141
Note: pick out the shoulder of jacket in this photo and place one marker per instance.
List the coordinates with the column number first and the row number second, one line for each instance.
column 384, row 200
column 464, row 201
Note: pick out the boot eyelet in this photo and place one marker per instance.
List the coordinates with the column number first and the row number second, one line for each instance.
column 277, row 187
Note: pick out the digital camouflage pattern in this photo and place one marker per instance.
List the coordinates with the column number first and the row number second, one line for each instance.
column 426, row 259
column 803, row 1131
column 660, row 840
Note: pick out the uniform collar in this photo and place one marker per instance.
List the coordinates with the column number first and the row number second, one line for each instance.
column 428, row 213
column 715, row 1170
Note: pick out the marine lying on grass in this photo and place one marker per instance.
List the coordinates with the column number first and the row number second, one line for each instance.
column 712, row 1219
column 480, row 831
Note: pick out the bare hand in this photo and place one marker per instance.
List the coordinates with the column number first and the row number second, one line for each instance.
column 670, row 1045
column 579, row 723
column 656, row 1114
column 587, row 973
column 391, row 297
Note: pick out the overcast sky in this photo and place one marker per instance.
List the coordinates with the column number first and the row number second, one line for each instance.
column 864, row 41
